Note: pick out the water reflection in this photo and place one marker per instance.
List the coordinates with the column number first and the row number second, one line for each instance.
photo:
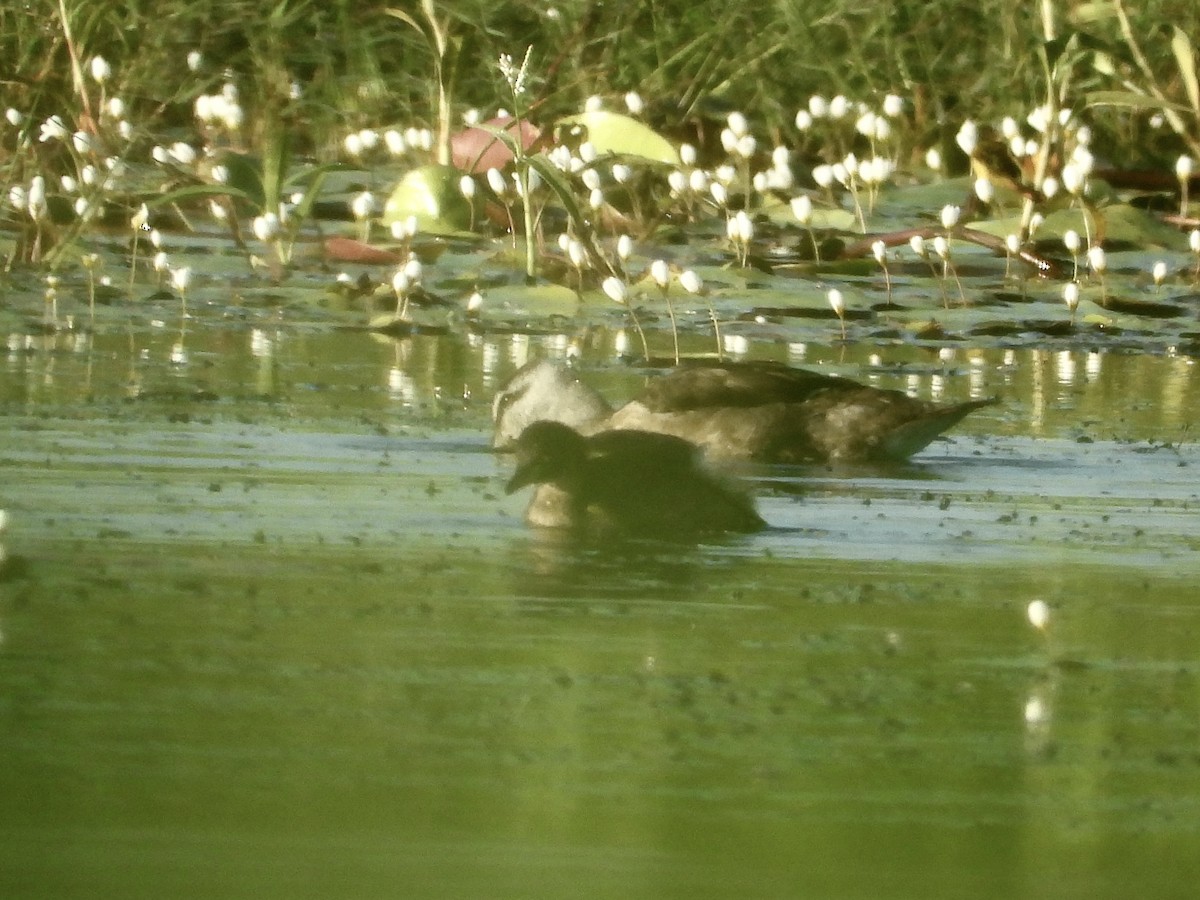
column 1044, row 393
column 553, row 564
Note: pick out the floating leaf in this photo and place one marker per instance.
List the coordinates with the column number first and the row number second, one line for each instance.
column 432, row 195
column 619, row 134
column 342, row 249
column 481, row 147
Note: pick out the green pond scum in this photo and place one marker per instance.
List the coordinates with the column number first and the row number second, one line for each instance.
column 270, row 625
column 297, row 642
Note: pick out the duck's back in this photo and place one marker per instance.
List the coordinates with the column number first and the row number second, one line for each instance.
column 653, row 484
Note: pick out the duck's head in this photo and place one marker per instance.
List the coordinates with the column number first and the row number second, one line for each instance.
column 547, row 452
column 543, row 391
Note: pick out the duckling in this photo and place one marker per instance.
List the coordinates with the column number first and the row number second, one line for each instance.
column 633, row 482
column 766, row 412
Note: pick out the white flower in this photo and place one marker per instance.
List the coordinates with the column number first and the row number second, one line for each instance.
column 1160, row 272
column 1183, row 167
column 879, row 251
column 985, row 190
column 823, row 175
column 836, row 302
column 1194, row 240
column 363, row 205
column 917, row 243
column 181, row 278
column 1072, row 178
column 596, row 199
column 475, row 302
column 394, row 141
column 967, row 137
column 194, row 59
column 69, row 184
column 1012, row 243
column 266, row 227
column 677, row 181
column 101, row 70
column 1097, row 259
column 660, row 272
column 1071, row 240
column 183, row 153
column 745, row 146
column 53, row 129
column 36, row 198
column 591, row 179
column 615, row 289
column 719, row 194
column 804, row 120
column 802, row 209
column 161, row 261
column 893, row 105
column 14, row 117
column 466, row 185
column 738, row 124
column 1071, row 295
column 950, row 214
column 941, row 246
column 818, row 107
column 838, row 107
column 220, row 174
column 687, row 155
column 634, row 103
column 496, row 182
column 933, row 159
column 353, row 144
column 691, row 281
column 115, row 107
column 621, row 173
column 745, row 226
column 698, row 181
column 624, row 247
column 575, row 252
column 1049, row 186
column 400, row 283
column 594, row 103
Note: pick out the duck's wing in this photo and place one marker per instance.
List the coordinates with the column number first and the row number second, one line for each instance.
column 653, row 484
column 737, row 385
column 642, row 451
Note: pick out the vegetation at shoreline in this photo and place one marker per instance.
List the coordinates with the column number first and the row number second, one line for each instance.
column 771, row 125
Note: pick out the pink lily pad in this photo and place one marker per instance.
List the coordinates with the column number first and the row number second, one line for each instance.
column 476, row 149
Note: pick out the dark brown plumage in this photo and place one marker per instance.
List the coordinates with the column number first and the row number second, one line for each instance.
column 633, row 482
column 759, row 411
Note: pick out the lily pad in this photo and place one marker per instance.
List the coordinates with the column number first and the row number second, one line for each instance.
column 479, row 148
column 622, row 135
column 432, row 195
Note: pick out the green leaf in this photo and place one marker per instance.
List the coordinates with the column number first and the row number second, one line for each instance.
column 619, row 134
column 1129, row 100
column 432, row 195
column 1185, row 58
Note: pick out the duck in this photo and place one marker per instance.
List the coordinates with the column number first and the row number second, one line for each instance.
column 753, row 411
column 636, row 483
